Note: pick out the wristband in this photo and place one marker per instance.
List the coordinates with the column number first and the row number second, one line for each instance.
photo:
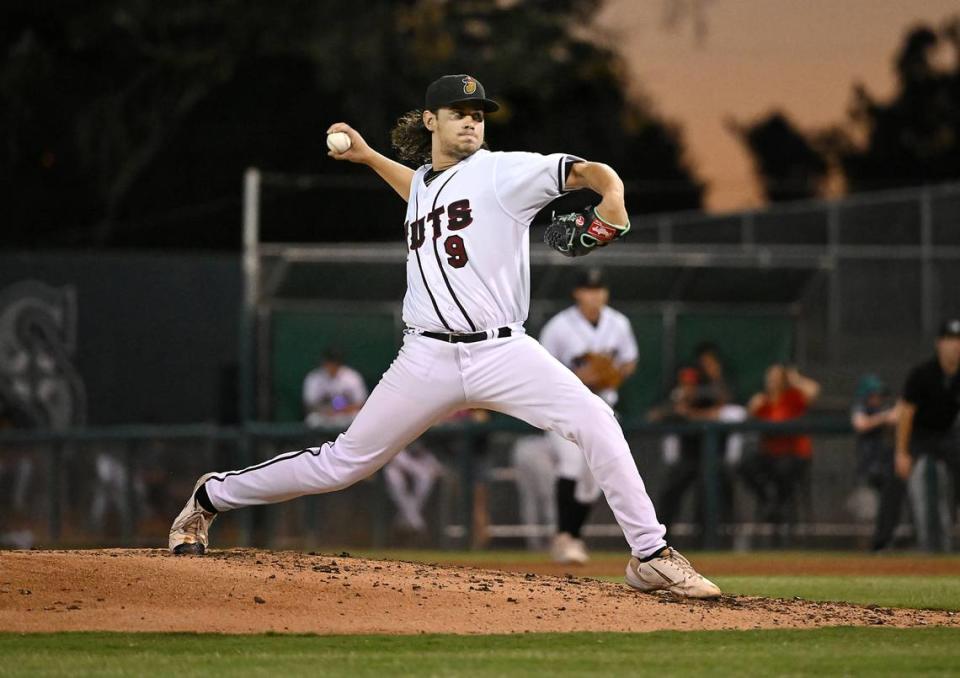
column 625, row 227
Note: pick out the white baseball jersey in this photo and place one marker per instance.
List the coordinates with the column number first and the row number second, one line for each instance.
column 468, row 265
column 569, row 336
column 346, row 387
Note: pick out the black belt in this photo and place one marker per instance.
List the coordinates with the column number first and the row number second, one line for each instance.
column 467, row 338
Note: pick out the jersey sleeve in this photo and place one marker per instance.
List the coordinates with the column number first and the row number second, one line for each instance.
column 526, row 182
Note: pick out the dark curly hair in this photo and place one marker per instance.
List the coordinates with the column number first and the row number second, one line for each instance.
column 410, row 139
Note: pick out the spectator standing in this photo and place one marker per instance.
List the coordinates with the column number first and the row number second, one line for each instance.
column 713, row 388
column 715, row 402
column 783, row 461
column 410, row 476
column 874, row 419
column 681, row 452
column 16, row 474
column 701, row 394
column 927, row 438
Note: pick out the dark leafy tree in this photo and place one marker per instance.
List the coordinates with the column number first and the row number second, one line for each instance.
column 911, row 139
column 787, row 164
column 914, row 138
column 130, row 122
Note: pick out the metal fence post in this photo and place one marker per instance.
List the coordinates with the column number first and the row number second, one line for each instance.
column 927, row 294
column 467, row 479
column 931, row 478
column 245, row 447
column 709, row 461
column 54, row 488
column 834, row 292
column 379, row 527
column 128, row 520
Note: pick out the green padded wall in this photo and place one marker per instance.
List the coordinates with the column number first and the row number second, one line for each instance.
column 747, row 343
column 642, row 390
column 369, row 342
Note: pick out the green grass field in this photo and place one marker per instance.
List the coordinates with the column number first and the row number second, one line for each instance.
column 843, row 651
column 932, row 593
column 832, row 651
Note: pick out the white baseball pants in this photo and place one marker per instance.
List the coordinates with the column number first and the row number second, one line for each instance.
column 427, row 381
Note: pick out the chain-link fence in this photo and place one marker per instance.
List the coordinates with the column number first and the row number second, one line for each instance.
column 122, row 487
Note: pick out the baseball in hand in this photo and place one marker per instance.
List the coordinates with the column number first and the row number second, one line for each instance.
column 338, row 142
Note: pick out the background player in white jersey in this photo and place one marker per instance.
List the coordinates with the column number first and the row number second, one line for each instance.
column 333, row 392
column 598, row 344
column 468, row 294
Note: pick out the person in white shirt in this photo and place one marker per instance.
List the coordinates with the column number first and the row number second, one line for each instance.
column 332, row 393
column 581, row 337
column 410, row 476
column 468, row 295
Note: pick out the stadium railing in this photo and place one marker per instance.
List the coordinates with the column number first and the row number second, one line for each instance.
column 129, row 442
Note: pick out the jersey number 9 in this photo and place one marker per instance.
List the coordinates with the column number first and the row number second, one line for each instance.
column 458, row 252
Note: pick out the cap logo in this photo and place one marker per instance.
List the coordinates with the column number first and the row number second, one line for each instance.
column 469, row 85
column 953, row 326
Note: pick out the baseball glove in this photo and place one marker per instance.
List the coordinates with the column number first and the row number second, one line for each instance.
column 600, row 370
column 579, row 233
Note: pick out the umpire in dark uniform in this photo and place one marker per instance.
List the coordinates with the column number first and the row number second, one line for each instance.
column 928, row 442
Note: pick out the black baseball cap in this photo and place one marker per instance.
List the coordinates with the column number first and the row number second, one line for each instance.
column 950, row 328
column 452, row 89
column 592, row 278
column 332, row 354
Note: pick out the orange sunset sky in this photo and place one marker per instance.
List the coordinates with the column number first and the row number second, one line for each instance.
column 801, row 56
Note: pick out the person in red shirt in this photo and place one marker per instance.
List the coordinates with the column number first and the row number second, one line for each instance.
column 783, row 461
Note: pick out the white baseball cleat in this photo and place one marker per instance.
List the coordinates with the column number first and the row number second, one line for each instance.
column 568, row 550
column 670, row 571
column 188, row 534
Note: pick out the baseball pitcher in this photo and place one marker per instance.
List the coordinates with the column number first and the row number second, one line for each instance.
column 468, row 293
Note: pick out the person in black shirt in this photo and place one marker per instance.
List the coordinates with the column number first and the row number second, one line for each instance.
column 927, row 438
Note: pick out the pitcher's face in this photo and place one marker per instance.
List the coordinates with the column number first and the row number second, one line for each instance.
column 457, row 130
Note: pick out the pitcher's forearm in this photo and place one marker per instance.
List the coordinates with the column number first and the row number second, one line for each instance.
column 604, row 180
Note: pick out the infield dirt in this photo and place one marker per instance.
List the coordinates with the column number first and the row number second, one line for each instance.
column 252, row 591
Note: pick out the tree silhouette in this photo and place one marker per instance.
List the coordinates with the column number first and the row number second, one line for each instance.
column 130, row 123
column 914, row 138
column 911, row 139
column 787, row 164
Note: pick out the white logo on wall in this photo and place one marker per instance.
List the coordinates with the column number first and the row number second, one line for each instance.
column 39, row 382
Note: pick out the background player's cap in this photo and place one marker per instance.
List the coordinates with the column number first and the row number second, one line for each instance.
column 870, row 384
column 593, row 278
column 451, row 89
column 332, row 354
column 950, row 329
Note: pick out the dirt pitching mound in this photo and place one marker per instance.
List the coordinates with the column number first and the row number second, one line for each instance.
column 251, row 591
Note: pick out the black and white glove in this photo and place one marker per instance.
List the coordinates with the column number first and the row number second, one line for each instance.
column 579, row 233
